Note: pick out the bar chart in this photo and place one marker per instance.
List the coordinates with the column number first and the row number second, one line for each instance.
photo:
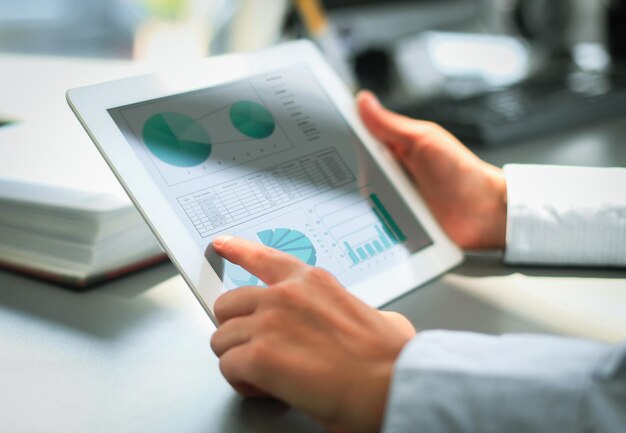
column 362, row 227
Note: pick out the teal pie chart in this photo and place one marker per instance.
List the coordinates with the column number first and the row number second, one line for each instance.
column 176, row 139
column 291, row 242
column 287, row 240
column 252, row 119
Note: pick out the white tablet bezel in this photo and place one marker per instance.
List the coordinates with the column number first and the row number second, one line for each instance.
column 90, row 104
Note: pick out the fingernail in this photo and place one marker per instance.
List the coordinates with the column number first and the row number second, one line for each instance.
column 222, row 239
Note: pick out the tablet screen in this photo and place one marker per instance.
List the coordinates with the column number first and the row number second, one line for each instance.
column 271, row 159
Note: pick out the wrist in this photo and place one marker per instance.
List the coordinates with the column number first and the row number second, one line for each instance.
column 493, row 233
column 498, row 233
column 369, row 400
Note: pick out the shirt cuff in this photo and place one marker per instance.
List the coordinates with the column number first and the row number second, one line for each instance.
column 565, row 215
column 458, row 381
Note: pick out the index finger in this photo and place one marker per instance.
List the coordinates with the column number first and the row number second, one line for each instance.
column 270, row 265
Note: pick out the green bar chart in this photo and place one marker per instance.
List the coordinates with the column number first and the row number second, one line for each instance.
column 386, row 219
column 364, row 251
column 369, row 234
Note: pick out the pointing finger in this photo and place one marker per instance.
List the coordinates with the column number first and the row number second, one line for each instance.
column 270, row 265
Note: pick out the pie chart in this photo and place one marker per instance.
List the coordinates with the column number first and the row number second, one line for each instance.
column 287, row 240
column 176, row 139
column 291, row 242
column 252, row 119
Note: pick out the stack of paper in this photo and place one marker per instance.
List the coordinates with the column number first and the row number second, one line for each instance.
column 72, row 236
column 63, row 215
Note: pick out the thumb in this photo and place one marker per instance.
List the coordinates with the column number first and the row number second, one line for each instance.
column 389, row 127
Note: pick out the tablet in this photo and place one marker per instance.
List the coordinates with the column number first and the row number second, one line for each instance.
column 267, row 146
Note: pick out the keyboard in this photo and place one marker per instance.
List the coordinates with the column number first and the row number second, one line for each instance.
column 546, row 103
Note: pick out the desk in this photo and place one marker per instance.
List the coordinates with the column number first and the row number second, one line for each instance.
column 134, row 355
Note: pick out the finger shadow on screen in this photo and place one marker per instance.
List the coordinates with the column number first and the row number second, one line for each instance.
column 217, row 262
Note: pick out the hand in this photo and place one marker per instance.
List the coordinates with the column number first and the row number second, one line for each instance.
column 466, row 195
column 306, row 340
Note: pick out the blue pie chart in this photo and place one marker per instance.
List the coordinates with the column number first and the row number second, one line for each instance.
column 287, row 240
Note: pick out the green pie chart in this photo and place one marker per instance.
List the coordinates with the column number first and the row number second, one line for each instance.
column 252, row 119
column 289, row 241
column 176, row 139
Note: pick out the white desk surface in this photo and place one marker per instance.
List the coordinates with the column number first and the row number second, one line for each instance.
column 133, row 355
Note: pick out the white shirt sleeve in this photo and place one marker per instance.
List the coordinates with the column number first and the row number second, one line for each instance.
column 459, row 382
column 565, row 215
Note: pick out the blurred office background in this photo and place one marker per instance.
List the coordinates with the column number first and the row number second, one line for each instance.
column 411, row 52
column 127, row 28
column 110, row 28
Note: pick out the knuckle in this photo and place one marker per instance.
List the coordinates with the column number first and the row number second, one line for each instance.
column 234, row 244
column 316, row 273
column 320, row 276
column 278, row 256
column 256, row 255
column 289, row 293
column 269, row 320
column 215, row 342
column 260, row 255
column 426, row 128
column 219, row 308
column 281, row 291
column 260, row 353
column 227, row 367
